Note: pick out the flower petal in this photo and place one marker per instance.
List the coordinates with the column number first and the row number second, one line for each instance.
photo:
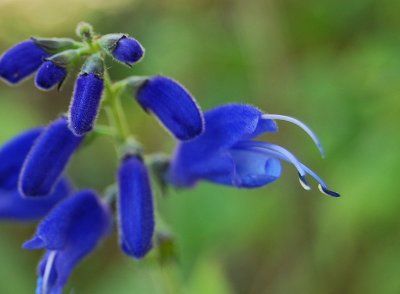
column 254, row 169
column 13, row 206
column 69, row 233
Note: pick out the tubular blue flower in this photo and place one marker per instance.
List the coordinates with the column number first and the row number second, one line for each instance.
column 135, row 207
column 20, row 61
column 47, row 159
column 69, row 233
column 128, row 50
column 12, row 156
column 226, row 153
column 173, row 105
column 87, row 95
column 13, row 206
column 49, row 75
column 123, row 48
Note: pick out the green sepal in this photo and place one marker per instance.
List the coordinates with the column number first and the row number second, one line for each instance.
column 130, row 147
column 93, row 65
column 159, row 164
column 166, row 245
column 54, row 45
column 65, row 58
column 109, row 42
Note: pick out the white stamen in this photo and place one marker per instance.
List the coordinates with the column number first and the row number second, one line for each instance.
column 49, row 264
column 299, row 124
column 305, row 187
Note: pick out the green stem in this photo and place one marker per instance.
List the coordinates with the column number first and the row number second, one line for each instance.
column 114, row 110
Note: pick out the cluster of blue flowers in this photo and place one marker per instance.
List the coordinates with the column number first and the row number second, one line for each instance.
column 218, row 145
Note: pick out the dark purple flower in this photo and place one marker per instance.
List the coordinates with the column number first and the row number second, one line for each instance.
column 69, row 233
column 20, row 61
column 49, row 75
column 135, row 207
column 87, row 96
column 173, row 105
column 47, row 159
column 226, row 153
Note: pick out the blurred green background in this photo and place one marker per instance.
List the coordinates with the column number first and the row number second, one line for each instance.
column 333, row 64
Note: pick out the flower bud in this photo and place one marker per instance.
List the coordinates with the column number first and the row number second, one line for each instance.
column 87, row 96
column 173, row 105
column 47, row 159
column 12, row 156
column 54, row 70
column 20, row 61
column 123, row 48
column 135, row 207
column 85, row 31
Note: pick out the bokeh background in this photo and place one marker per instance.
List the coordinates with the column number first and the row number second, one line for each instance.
column 333, row 64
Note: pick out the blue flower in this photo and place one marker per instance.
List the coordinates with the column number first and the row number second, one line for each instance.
column 47, row 159
column 16, row 207
column 87, row 95
column 20, row 61
column 69, row 233
column 49, row 75
column 226, row 153
column 123, row 48
column 128, row 50
column 12, row 156
column 135, row 207
column 173, row 105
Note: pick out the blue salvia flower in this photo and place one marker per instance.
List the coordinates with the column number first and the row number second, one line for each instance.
column 47, row 159
column 12, row 156
column 20, row 61
column 173, row 105
column 49, row 75
column 123, row 48
column 226, row 153
column 69, row 233
column 13, row 206
column 87, row 96
column 135, row 207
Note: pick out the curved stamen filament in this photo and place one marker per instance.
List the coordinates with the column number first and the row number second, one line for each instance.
column 283, row 154
column 300, row 124
column 321, row 184
column 278, row 152
column 46, row 276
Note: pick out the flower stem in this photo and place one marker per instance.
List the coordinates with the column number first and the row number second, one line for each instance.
column 114, row 110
